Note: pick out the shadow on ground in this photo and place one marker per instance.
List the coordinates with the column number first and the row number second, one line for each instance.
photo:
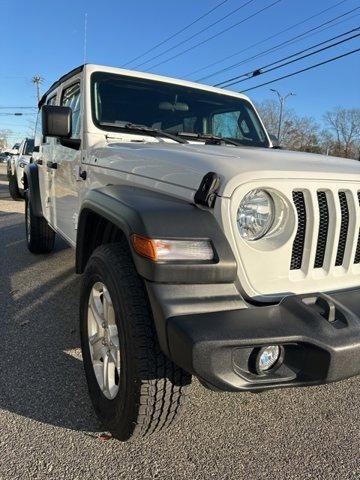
column 41, row 373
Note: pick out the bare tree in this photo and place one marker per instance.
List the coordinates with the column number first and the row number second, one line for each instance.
column 269, row 113
column 4, row 138
column 31, row 124
column 344, row 124
column 297, row 133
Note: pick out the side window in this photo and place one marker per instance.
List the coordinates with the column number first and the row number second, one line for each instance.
column 226, row 124
column 71, row 98
column 51, row 100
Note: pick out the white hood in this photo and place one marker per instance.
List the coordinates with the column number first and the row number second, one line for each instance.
column 186, row 164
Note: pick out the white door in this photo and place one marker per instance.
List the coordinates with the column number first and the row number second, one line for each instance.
column 67, row 163
column 43, row 157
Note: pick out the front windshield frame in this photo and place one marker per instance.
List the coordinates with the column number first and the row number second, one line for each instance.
column 254, row 117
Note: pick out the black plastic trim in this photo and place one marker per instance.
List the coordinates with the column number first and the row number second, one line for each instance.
column 58, row 82
column 155, row 215
column 206, row 193
column 74, row 143
column 169, row 300
column 32, row 175
column 320, row 335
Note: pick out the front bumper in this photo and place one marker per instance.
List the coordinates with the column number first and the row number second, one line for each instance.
column 319, row 335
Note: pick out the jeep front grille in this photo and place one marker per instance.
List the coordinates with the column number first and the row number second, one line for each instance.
column 357, row 254
column 333, row 219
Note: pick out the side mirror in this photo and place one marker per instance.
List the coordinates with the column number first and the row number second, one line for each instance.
column 56, row 121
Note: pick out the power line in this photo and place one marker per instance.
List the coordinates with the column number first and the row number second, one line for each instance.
column 176, row 33
column 15, row 134
column 279, row 46
column 215, row 35
column 17, row 108
column 17, row 114
column 259, row 71
column 196, row 34
column 222, row 60
column 6, row 124
column 303, row 70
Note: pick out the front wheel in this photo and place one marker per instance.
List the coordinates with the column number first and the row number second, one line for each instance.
column 134, row 388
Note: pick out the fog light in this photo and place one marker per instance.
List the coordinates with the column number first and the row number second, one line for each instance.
column 267, row 357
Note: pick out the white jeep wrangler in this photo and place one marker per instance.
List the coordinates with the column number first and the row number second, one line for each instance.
column 15, row 168
column 204, row 250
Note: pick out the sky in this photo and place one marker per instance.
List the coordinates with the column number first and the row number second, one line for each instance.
column 47, row 38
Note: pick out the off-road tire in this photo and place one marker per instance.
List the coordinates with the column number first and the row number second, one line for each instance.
column 40, row 237
column 152, row 389
column 14, row 189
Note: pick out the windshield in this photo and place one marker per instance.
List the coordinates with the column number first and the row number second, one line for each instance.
column 117, row 100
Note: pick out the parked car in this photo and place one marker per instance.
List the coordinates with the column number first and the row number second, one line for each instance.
column 4, row 156
column 204, row 250
column 19, row 157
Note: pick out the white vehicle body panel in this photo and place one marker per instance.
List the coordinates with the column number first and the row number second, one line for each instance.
column 177, row 169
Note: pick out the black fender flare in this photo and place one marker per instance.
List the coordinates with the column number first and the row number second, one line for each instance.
column 33, row 188
column 157, row 215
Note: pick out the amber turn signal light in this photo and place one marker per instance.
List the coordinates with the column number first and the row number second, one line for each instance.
column 162, row 250
column 144, row 246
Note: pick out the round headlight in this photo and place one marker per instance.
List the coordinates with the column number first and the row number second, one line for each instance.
column 255, row 214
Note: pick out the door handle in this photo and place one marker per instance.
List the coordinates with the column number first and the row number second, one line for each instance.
column 51, row 165
column 39, row 161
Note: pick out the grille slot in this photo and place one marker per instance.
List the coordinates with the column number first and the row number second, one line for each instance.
column 323, row 230
column 299, row 241
column 323, row 237
column 357, row 253
column 343, row 229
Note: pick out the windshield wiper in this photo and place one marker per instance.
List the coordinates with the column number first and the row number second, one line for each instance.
column 209, row 138
column 134, row 127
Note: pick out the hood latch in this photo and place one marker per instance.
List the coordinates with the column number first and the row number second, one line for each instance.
column 206, row 193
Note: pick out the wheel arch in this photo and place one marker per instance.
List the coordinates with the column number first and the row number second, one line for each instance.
column 95, row 228
column 32, row 186
column 114, row 212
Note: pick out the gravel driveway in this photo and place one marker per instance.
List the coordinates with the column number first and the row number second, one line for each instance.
column 48, row 429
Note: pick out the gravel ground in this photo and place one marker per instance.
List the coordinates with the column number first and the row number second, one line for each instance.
column 48, row 429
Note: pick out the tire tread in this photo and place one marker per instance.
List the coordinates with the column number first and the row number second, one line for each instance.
column 162, row 385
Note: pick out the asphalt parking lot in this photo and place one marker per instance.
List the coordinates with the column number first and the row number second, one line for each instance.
column 48, row 429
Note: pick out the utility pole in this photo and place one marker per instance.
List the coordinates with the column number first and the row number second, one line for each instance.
column 282, row 100
column 37, row 80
